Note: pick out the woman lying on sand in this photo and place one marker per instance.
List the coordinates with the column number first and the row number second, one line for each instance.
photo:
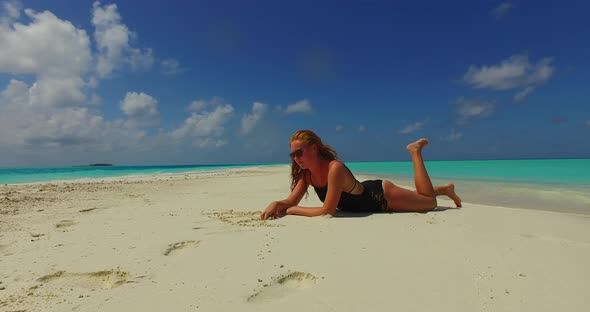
column 315, row 163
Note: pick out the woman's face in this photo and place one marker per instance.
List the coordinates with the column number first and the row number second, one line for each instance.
column 301, row 153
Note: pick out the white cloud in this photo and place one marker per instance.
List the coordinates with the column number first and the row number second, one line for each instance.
column 453, row 136
column 249, row 121
column 58, row 92
column 208, row 142
column 514, row 73
column 12, row 12
column 46, row 116
column 502, row 9
column 14, row 116
column 31, row 127
column 95, row 99
column 418, row 125
column 170, row 67
column 520, row 96
column 206, row 122
column 140, row 60
column 362, row 128
column 219, row 143
column 15, row 94
column 339, row 128
column 302, row 106
column 92, row 82
column 113, row 40
column 65, row 127
column 199, row 105
column 470, row 109
column 139, row 105
column 53, row 50
column 47, row 46
column 200, row 126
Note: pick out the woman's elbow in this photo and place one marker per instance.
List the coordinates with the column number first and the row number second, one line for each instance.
column 329, row 211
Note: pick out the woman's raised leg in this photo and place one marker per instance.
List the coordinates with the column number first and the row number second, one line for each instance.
column 424, row 198
column 421, row 178
column 404, row 200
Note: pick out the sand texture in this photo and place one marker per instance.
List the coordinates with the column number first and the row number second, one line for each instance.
column 194, row 242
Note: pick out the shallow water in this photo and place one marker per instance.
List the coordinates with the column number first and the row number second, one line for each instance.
column 548, row 184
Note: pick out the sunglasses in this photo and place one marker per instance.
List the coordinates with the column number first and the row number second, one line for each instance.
column 297, row 153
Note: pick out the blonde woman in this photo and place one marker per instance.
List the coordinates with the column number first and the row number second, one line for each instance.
column 316, row 164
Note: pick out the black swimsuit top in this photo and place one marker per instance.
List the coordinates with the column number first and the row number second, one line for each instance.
column 350, row 202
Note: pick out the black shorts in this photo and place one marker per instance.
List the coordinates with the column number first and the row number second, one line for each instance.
column 371, row 200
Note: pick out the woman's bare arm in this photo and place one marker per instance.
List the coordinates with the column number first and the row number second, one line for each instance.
column 279, row 208
column 336, row 177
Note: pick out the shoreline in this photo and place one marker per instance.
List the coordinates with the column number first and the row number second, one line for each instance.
column 139, row 176
column 568, row 199
column 526, row 196
column 556, row 198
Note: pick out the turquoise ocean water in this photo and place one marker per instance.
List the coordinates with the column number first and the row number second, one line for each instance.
column 33, row 175
column 561, row 185
column 561, row 172
column 548, row 184
column 570, row 172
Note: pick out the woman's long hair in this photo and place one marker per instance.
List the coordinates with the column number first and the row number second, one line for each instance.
column 309, row 137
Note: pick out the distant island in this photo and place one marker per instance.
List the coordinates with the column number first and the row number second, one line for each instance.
column 95, row 165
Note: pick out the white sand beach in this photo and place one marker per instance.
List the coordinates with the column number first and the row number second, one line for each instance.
column 194, row 242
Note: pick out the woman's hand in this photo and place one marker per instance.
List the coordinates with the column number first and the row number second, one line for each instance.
column 272, row 211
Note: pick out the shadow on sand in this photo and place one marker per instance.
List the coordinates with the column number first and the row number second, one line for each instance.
column 346, row 214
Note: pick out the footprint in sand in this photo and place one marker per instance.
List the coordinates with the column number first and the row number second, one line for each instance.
column 107, row 279
column 282, row 286
column 87, row 210
column 63, row 224
column 173, row 248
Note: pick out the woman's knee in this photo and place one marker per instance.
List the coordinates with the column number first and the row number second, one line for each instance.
column 425, row 203
column 434, row 203
column 429, row 202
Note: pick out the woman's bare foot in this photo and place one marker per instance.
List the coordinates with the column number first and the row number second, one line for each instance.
column 417, row 146
column 449, row 190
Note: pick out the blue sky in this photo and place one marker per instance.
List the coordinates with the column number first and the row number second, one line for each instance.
column 177, row 82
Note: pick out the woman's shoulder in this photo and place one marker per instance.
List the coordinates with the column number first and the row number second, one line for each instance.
column 339, row 169
column 336, row 165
